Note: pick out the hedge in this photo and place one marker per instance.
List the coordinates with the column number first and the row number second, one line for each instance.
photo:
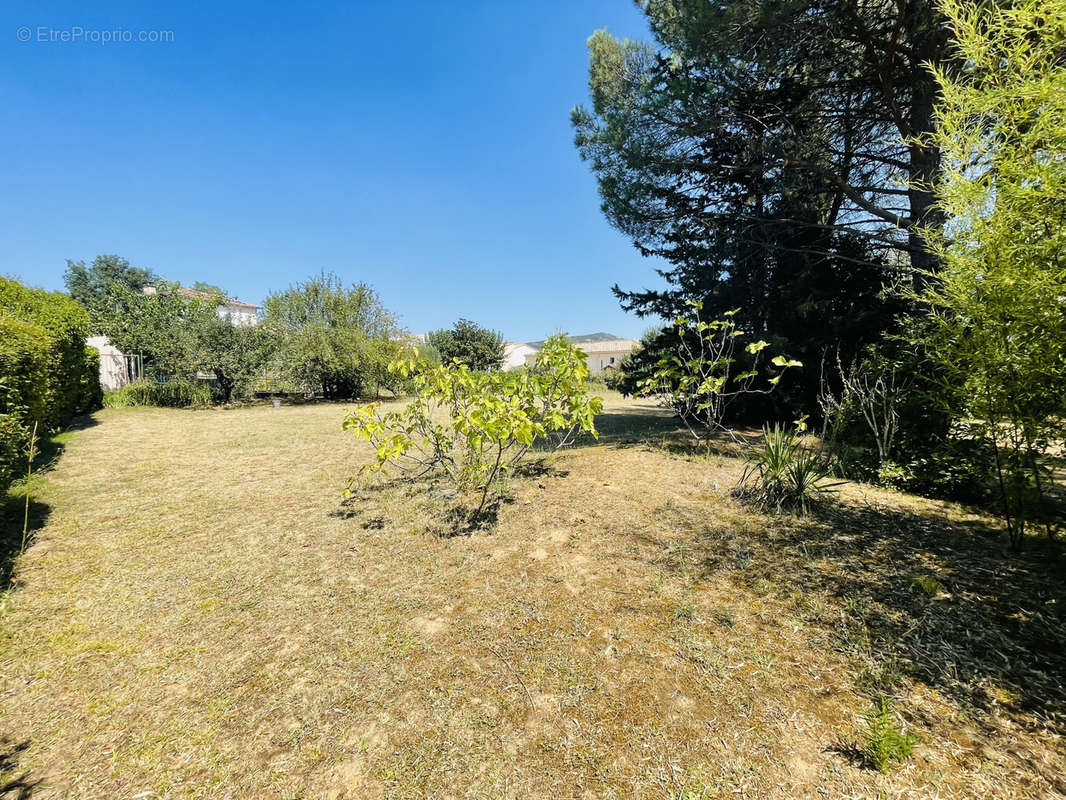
column 70, row 373
column 13, row 441
column 25, row 357
column 47, row 374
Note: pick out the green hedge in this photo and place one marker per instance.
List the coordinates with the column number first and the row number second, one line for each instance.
column 25, row 358
column 172, row 394
column 13, row 441
column 66, row 325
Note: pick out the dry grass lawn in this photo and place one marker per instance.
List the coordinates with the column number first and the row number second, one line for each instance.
column 200, row 616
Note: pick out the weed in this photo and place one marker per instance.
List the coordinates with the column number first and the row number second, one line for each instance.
column 886, row 744
column 924, row 584
column 685, row 613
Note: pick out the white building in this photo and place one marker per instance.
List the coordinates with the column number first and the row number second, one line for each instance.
column 235, row 311
column 601, row 355
column 515, row 353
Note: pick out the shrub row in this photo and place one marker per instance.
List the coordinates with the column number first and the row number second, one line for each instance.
column 47, row 374
column 172, row 394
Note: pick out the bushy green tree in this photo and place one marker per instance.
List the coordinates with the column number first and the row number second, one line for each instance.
column 998, row 304
column 332, row 340
column 162, row 327
column 467, row 342
column 96, row 285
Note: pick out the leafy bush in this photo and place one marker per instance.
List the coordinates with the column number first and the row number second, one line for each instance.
column 703, row 375
column 172, row 394
column 479, row 348
column 785, row 474
column 24, row 361
column 65, row 324
column 886, row 744
column 13, row 441
column 614, row 379
column 474, row 427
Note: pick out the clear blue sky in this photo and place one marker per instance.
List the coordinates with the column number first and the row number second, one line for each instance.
column 422, row 147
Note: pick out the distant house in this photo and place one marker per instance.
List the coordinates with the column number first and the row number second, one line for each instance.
column 515, row 354
column 602, row 354
column 237, row 312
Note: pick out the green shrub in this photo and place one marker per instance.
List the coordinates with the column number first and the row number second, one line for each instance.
column 784, row 473
column 13, row 440
column 474, row 427
column 66, row 325
column 886, row 744
column 614, row 379
column 172, row 394
column 24, row 363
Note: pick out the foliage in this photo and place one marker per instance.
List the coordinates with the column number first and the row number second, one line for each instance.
column 13, row 439
column 614, row 379
column 95, row 286
column 871, row 390
column 25, row 358
column 785, row 474
column 178, row 393
column 467, row 342
column 702, row 376
column 161, row 327
column 235, row 354
column 185, row 338
column 999, row 323
column 332, row 340
column 474, row 427
column 886, row 745
column 65, row 325
column 762, row 149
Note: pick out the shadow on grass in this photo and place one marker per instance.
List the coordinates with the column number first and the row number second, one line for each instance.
column 13, row 784
column 915, row 594
column 12, row 515
column 656, row 428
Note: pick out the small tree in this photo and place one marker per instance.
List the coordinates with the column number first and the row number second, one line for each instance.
column 234, row 354
column 479, row 348
column 332, row 340
column 474, row 427
column 1000, row 320
column 701, row 377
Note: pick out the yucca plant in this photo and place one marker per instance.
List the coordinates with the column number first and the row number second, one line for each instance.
column 783, row 474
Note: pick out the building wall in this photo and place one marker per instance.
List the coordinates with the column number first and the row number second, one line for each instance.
column 517, row 355
column 239, row 315
column 598, row 362
column 114, row 373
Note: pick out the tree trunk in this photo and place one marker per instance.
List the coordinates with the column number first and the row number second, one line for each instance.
column 928, row 46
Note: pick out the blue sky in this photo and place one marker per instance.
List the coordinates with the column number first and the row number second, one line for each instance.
column 422, row 147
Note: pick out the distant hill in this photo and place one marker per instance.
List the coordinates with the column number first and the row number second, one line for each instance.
column 588, row 337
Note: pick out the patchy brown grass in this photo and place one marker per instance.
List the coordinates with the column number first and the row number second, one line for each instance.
column 201, row 616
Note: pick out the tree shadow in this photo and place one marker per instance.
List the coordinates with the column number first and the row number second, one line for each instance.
column 14, row 786
column 12, row 516
column 914, row 594
column 656, row 428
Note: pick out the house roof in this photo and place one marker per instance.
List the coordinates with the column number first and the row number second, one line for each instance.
column 207, row 295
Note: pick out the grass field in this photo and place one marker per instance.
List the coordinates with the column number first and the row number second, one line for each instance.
column 201, row 616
